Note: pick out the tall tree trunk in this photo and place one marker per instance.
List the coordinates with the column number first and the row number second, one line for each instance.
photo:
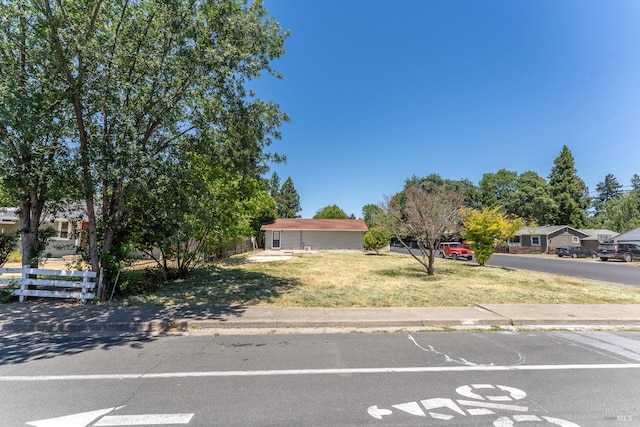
column 30, row 212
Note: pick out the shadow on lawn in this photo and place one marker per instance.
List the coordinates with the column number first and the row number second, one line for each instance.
column 225, row 287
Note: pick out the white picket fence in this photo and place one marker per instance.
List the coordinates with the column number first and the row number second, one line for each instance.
column 54, row 285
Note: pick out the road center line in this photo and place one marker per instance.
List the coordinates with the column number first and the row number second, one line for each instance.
column 281, row 372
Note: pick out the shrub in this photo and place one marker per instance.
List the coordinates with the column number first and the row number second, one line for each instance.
column 376, row 238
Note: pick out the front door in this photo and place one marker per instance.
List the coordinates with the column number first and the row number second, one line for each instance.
column 275, row 244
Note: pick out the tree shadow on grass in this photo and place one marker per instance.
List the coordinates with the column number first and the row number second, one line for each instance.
column 214, row 286
column 414, row 272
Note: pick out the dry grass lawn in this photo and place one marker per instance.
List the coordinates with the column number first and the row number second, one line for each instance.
column 345, row 279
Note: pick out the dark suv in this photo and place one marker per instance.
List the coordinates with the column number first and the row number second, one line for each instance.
column 623, row 251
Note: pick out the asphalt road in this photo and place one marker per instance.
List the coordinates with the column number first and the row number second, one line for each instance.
column 593, row 269
column 442, row 379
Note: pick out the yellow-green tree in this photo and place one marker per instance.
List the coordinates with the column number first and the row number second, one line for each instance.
column 484, row 228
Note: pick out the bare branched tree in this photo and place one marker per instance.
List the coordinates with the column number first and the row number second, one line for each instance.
column 423, row 215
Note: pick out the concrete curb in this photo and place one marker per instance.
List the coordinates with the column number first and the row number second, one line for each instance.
column 68, row 319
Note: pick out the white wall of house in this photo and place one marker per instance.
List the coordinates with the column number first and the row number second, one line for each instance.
column 316, row 240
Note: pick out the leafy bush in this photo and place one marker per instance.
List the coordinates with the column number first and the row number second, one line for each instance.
column 376, row 238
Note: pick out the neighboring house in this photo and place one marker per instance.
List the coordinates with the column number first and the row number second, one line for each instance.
column 597, row 236
column 314, row 234
column 67, row 231
column 548, row 238
column 631, row 236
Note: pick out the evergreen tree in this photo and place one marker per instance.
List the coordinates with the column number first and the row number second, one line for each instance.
column 569, row 191
column 609, row 189
column 274, row 185
column 635, row 181
column 288, row 200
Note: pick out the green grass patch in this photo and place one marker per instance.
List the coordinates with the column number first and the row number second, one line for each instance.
column 345, row 279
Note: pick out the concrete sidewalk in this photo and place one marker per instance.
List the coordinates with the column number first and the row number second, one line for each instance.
column 59, row 317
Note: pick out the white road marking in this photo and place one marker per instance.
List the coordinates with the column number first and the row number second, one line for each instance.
column 494, row 405
column 144, row 420
column 412, row 408
column 330, row 371
column 75, row 420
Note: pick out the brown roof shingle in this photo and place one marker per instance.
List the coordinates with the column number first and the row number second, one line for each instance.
column 316, row 224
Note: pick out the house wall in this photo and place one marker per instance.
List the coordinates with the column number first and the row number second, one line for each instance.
column 59, row 245
column 563, row 239
column 317, row 240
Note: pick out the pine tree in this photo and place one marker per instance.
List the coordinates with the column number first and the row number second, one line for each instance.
column 609, row 189
column 274, row 185
column 569, row 191
column 288, row 200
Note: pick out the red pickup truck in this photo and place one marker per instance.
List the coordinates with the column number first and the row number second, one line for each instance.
column 455, row 250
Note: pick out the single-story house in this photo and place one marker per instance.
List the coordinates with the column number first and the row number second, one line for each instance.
column 67, row 231
column 548, row 238
column 314, row 234
column 631, row 236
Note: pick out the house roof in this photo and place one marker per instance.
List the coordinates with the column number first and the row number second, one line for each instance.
column 629, row 236
column 316, row 224
column 598, row 234
column 546, row 230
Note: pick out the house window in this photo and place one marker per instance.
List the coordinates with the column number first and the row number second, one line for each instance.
column 276, row 240
column 535, row 240
column 63, row 231
column 575, row 239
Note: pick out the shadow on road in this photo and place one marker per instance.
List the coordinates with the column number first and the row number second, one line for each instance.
column 72, row 329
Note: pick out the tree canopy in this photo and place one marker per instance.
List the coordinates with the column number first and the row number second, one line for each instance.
column 331, row 212
column 120, row 88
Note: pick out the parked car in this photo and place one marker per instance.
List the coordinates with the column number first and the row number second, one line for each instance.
column 454, row 250
column 624, row 251
column 575, row 252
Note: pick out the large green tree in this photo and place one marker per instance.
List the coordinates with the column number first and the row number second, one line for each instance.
column 138, row 78
column 33, row 123
column 331, row 212
column 569, row 191
column 288, row 200
column 532, row 200
column 468, row 190
column 621, row 213
column 497, row 189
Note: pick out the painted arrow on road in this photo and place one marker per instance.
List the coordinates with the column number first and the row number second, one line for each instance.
column 84, row 419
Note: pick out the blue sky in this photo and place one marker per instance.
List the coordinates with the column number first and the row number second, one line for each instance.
column 378, row 91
